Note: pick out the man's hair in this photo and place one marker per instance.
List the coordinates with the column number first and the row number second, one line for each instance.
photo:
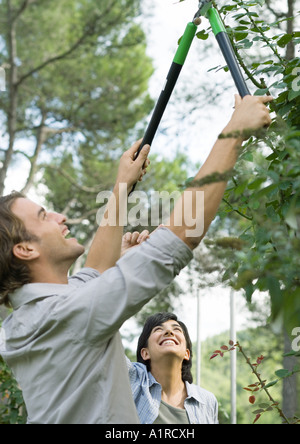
column 154, row 321
column 13, row 272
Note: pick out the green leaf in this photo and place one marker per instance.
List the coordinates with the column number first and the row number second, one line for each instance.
column 202, row 35
column 261, row 92
column 292, row 353
column 271, row 384
column 283, row 373
column 291, row 216
column 239, row 36
column 293, row 94
column 266, row 191
column 276, row 295
column 264, row 406
column 256, row 183
column 285, row 40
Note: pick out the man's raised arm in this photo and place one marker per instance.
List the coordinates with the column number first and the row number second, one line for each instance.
column 106, row 247
column 250, row 115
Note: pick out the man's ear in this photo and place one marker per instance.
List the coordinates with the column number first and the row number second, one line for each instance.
column 145, row 354
column 25, row 251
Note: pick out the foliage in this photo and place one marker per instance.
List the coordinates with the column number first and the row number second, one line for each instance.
column 71, row 89
column 12, row 407
column 261, row 385
column 215, row 375
column 260, row 210
column 259, row 218
column 268, row 197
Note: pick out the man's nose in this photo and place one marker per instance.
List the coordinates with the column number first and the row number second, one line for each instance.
column 169, row 333
column 59, row 218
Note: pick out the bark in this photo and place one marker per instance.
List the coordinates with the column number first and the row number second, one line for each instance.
column 290, row 397
column 13, row 96
column 291, row 49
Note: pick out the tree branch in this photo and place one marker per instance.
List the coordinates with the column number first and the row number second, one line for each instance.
column 91, row 190
column 237, row 211
column 82, row 218
column 277, row 14
column 39, row 144
column 261, row 32
column 246, row 70
column 22, row 8
column 262, row 384
column 54, row 59
column 89, row 29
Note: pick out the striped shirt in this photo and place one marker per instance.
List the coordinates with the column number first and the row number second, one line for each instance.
column 201, row 406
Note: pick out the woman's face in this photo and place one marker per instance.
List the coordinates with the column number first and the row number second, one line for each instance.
column 166, row 339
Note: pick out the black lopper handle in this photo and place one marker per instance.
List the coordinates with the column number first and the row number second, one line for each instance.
column 226, row 47
column 160, row 108
column 174, row 72
column 161, row 105
column 227, row 50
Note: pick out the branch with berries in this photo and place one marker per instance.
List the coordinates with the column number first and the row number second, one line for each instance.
column 260, row 385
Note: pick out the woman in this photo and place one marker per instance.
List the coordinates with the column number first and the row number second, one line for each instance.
column 161, row 380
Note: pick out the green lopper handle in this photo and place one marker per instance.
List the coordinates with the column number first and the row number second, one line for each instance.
column 174, row 72
column 185, row 44
column 227, row 50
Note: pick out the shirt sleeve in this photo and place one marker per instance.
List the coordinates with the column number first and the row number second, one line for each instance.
column 132, row 372
column 138, row 377
column 83, row 276
column 105, row 302
column 216, row 412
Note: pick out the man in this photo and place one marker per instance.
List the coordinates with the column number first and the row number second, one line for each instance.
column 161, row 380
column 62, row 340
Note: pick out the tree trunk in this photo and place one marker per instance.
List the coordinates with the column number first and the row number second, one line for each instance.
column 291, row 50
column 290, row 397
column 13, row 97
column 41, row 137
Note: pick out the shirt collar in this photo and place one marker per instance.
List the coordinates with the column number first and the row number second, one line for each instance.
column 31, row 292
column 193, row 391
column 152, row 380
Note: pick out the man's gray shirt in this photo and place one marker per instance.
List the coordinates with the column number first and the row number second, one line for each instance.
column 63, row 343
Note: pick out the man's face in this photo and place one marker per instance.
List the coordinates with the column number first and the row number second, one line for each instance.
column 166, row 340
column 51, row 231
